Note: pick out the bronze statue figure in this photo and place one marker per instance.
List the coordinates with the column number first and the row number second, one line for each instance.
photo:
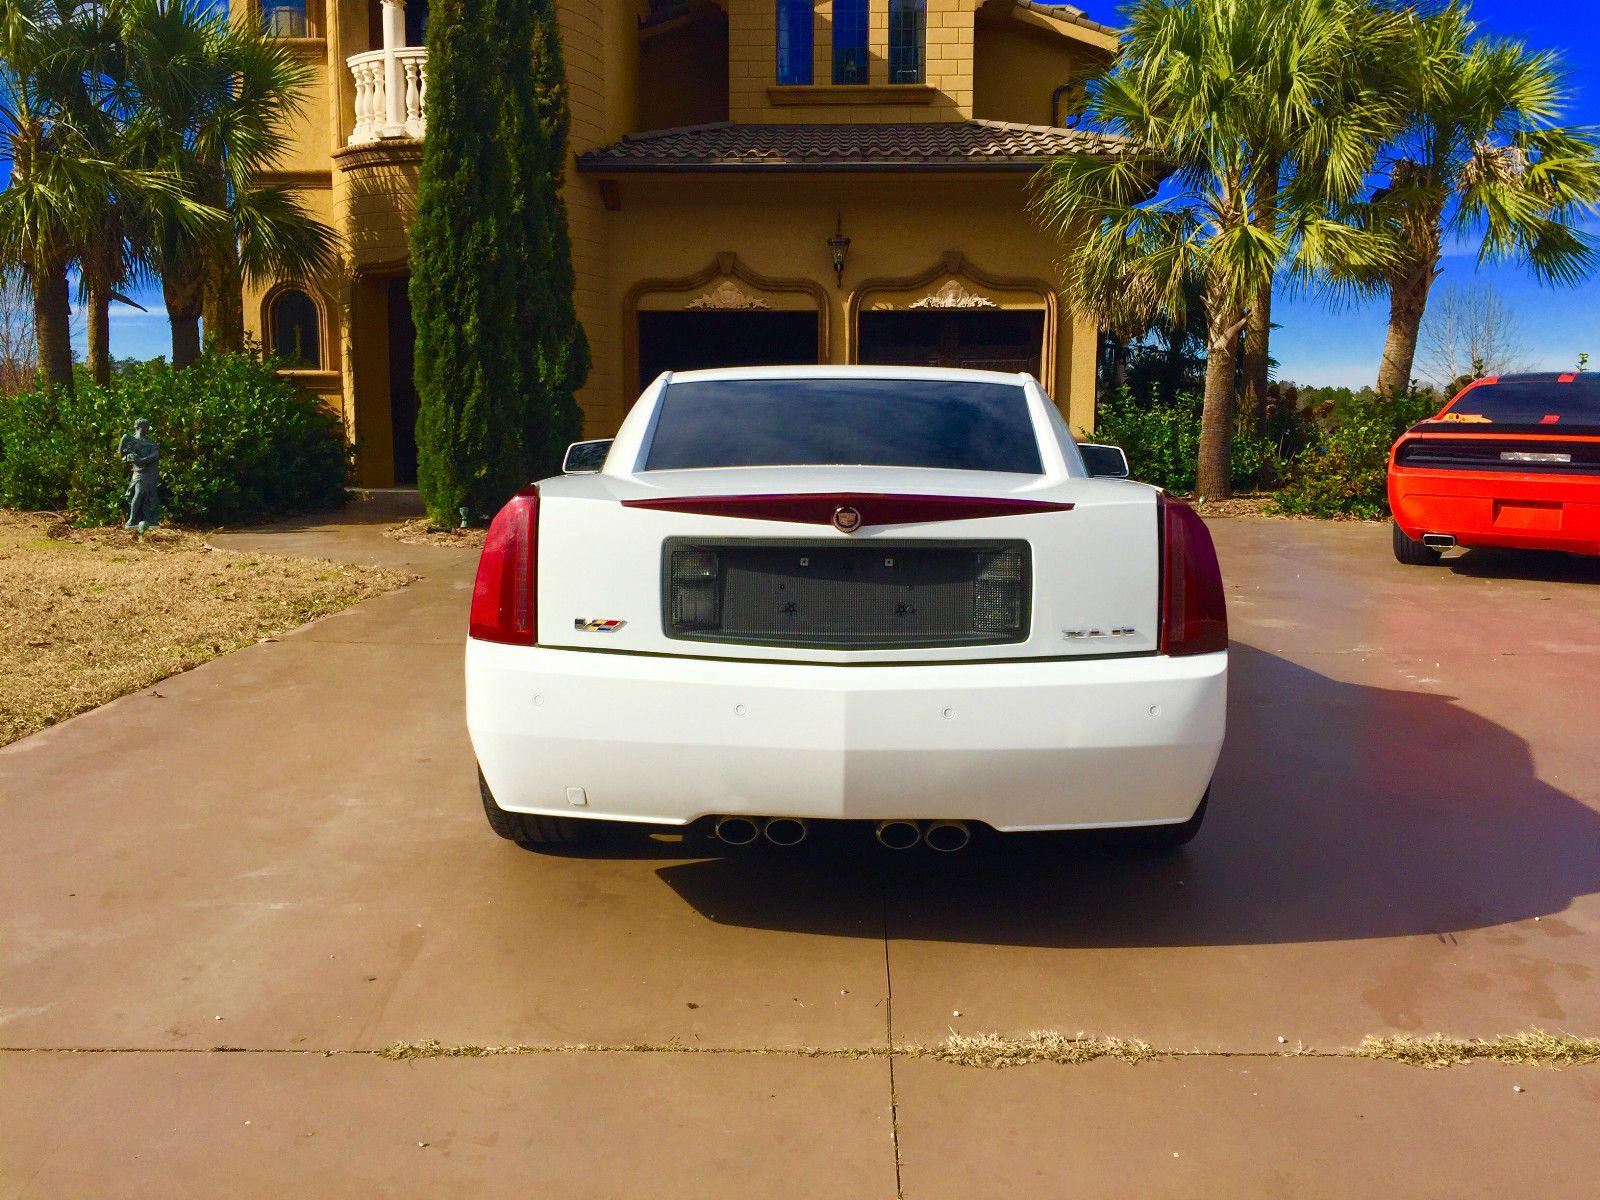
column 143, row 497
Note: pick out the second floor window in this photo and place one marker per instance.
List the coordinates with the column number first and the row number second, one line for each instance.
column 908, row 22
column 850, row 52
column 794, row 40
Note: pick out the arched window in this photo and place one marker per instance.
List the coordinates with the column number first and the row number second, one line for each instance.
column 285, row 18
column 296, row 330
column 292, row 18
column 795, row 25
column 908, row 34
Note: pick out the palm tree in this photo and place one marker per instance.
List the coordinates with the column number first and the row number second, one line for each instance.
column 61, row 120
column 59, row 178
column 216, row 99
column 1481, row 152
column 1212, row 113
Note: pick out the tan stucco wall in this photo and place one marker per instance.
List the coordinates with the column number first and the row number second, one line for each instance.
column 1016, row 68
column 675, row 88
column 779, row 227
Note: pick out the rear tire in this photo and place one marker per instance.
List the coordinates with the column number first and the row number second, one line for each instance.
column 1164, row 839
column 1412, row 552
column 529, row 830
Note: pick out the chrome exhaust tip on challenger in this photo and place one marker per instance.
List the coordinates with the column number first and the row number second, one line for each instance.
column 947, row 836
column 785, row 831
column 737, row 831
column 1439, row 541
column 898, row 835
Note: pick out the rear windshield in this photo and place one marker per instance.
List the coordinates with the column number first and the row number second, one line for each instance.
column 857, row 422
column 1528, row 402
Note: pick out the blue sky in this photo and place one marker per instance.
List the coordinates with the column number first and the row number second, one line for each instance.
column 1340, row 347
column 1318, row 343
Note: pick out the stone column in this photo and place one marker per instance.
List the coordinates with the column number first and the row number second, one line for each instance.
column 394, row 89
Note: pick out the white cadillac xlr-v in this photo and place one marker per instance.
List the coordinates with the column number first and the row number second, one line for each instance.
column 900, row 596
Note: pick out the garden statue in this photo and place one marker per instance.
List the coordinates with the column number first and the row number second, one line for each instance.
column 144, row 502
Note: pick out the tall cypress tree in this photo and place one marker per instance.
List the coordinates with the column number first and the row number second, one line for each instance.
column 499, row 348
column 556, row 352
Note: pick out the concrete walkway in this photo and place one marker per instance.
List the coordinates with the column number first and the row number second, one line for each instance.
column 281, row 854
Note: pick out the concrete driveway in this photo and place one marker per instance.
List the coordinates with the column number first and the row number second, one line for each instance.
column 224, row 893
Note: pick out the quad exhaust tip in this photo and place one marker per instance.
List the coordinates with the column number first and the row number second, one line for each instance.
column 898, row 835
column 785, row 831
column 738, row 831
column 947, row 836
column 1439, row 541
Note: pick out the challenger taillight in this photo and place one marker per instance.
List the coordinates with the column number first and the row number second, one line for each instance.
column 503, row 595
column 1194, row 612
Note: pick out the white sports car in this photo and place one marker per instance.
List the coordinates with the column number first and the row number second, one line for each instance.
column 891, row 595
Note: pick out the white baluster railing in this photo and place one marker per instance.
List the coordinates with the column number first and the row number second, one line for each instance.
column 391, row 93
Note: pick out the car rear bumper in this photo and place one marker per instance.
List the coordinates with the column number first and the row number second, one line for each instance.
column 1019, row 745
column 1490, row 508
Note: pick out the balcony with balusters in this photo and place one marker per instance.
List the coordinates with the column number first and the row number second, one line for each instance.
column 391, row 84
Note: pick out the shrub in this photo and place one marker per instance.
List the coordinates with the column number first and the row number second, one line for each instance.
column 238, row 443
column 1345, row 471
column 1162, row 441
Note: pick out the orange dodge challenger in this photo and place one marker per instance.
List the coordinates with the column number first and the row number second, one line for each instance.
column 1513, row 460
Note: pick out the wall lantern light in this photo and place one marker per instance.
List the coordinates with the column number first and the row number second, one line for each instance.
column 839, row 244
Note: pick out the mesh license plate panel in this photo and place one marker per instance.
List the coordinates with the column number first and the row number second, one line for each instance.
column 859, row 596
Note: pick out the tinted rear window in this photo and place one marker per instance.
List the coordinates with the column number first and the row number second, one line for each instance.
column 857, row 422
column 1528, row 402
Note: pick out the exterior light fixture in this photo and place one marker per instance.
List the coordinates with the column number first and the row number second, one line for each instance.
column 839, row 244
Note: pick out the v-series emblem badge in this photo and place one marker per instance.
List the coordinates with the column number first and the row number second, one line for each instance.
column 1073, row 635
column 596, row 625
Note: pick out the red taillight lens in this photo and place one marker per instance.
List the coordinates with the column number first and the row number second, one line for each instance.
column 1194, row 613
column 503, row 596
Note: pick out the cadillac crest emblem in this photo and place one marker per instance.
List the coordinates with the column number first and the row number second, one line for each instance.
column 846, row 519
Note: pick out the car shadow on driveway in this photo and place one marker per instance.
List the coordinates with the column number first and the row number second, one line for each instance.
column 1339, row 811
column 1538, row 566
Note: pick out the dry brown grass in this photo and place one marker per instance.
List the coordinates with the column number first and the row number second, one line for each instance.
column 1532, row 1047
column 419, row 531
column 993, row 1051
column 87, row 615
column 430, row 1048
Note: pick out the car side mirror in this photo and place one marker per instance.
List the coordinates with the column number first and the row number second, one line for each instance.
column 586, row 458
column 1104, row 462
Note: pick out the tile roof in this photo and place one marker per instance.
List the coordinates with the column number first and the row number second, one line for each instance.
column 908, row 146
column 1065, row 12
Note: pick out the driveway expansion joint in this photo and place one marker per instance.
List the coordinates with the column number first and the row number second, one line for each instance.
column 1529, row 1047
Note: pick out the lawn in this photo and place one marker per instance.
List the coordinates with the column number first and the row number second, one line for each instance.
column 87, row 615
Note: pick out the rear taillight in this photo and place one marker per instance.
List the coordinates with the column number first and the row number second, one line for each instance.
column 503, row 596
column 1194, row 613
column 695, row 586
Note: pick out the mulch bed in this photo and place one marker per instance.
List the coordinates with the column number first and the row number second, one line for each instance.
column 421, row 532
column 1254, row 504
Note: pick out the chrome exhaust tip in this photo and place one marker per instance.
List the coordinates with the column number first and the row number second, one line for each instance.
column 947, row 836
column 785, row 831
column 737, row 831
column 898, row 835
column 1439, row 541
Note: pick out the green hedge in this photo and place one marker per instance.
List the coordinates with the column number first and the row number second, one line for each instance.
column 238, row 443
column 1162, row 441
column 1345, row 471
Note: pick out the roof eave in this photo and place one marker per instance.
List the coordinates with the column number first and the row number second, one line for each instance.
column 814, row 168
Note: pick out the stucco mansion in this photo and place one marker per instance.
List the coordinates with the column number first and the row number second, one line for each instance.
column 752, row 181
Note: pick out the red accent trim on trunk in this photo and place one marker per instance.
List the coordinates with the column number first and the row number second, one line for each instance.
column 817, row 508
